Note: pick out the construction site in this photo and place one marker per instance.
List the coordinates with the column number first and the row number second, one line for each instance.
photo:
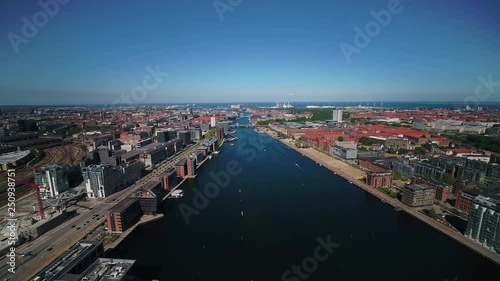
column 70, row 154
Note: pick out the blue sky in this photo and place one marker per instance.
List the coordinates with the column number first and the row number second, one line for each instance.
column 263, row 50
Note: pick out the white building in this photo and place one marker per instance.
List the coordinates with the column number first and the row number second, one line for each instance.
column 53, row 179
column 337, row 115
column 213, row 122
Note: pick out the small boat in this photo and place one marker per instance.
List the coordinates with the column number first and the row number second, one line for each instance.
column 177, row 194
column 240, row 190
column 241, row 213
column 350, row 182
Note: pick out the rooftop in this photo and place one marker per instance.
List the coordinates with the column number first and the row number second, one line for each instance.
column 105, row 269
column 122, row 205
column 419, row 187
column 10, row 157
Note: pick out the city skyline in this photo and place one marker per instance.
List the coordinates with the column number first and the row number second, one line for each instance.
column 255, row 51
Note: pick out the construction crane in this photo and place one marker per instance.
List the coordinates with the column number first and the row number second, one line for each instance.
column 38, row 197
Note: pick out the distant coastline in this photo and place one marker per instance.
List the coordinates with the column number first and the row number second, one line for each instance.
column 299, row 104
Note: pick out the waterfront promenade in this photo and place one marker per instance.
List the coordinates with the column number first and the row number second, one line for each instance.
column 353, row 174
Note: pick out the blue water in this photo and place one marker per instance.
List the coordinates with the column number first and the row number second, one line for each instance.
column 289, row 202
column 387, row 104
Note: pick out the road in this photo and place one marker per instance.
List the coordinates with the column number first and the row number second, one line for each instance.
column 50, row 245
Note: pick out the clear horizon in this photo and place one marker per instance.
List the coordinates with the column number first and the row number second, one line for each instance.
column 95, row 52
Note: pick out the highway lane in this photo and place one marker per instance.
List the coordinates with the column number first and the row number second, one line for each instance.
column 62, row 237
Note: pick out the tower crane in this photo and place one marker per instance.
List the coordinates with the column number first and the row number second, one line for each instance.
column 38, row 197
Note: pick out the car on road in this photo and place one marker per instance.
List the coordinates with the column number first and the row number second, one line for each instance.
column 73, row 226
column 49, row 249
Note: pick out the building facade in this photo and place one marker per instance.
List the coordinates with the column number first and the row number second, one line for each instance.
column 418, row 195
column 53, row 179
column 101, row 180
column 123, row 215
column 484, row 221
column 344, row 153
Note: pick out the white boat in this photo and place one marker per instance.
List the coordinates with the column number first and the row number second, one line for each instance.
column 350, row 182
column 241, row 213
column 177, row 194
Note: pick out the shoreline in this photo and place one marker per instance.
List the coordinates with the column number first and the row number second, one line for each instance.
column 311, row 153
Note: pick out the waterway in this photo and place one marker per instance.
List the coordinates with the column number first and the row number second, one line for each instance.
column 288, row 203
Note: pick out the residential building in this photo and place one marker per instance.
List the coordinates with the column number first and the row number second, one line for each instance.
column 185, row 136
column 219, row 133
column 150, row 197
column 375, row 180
column 53, row 179
column 337, row 115
column 101, row 180
column 191, row 166
column 483, row 224
column 167, row 179
column 123, row 215
column 465, row 198
column 403, row 168
column 418, row 195
column 181, row 168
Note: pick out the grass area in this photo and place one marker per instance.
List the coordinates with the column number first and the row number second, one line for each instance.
column 431, row 213
column 387, row 191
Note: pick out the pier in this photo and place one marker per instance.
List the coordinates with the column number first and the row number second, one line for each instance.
column 174, row 188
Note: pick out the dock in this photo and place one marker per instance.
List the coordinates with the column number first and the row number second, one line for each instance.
column 173, row 189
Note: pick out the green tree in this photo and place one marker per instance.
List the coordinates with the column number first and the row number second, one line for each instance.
column 448, row 179
column 340, row 138
column 432, row 213
column 420, row 151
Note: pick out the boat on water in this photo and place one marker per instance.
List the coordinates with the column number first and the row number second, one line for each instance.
column 232, row 139
column 350, row 182
column 241, row 213
column 231, row 144
column 177, row 194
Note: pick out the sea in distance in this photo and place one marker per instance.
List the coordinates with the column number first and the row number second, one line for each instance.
column 275, row 212
column 385, row 104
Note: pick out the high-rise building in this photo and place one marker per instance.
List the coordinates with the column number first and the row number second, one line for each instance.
column 53, row 179
column 191, row 166
column 162, row 136
column 483, row 225
column 219, row 133
column 195, row 134
column 181, row 168
column 337, row 115
column 213, row 122
column 101, row 180
column 185, row 136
